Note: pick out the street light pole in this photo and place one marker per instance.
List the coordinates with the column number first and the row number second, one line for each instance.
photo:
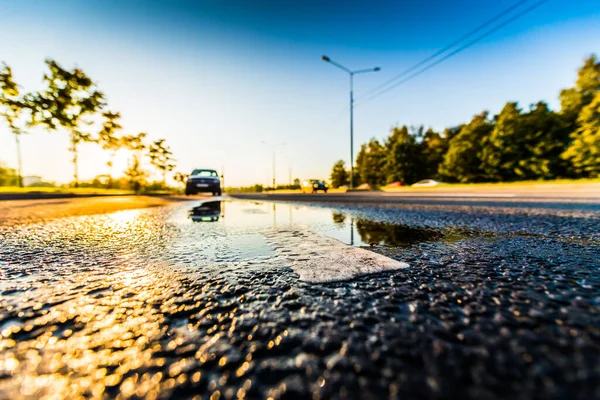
column 273, row 146
column 351, row 130
column 351, row 74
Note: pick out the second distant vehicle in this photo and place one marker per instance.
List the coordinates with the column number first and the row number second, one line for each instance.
column 314, row 185
column 203, row 181
column 427, row 182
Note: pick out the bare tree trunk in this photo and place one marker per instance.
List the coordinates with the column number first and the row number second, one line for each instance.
column 75, row 160
column 19, row 160
column 110, row 165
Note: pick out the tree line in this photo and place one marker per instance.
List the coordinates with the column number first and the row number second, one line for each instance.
column 70, row 102
column 514, row 145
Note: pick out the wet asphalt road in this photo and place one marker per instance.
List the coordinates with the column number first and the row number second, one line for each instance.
column 497, row 302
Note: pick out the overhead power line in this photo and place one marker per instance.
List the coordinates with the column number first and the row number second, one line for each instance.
column 383, row 90
column 448, row 47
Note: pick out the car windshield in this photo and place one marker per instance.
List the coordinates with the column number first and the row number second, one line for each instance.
column 204, row 172
column 316, row 181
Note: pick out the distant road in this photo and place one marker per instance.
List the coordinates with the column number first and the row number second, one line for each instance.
column 558, row 196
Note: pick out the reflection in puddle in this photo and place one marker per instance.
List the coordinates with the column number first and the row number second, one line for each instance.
column 250, row 216
column 209, row 211
column 379, row 233
column 338, row 218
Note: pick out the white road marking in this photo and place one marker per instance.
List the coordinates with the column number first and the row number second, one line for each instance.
column 316, row 258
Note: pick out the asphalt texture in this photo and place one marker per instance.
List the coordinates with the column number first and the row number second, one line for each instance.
column 496, row 302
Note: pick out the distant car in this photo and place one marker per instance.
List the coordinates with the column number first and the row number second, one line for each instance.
column 314, row 185
column 203, row 181
column 209, row 211
column 364, row 186
column 427, row 182
column 395, row 184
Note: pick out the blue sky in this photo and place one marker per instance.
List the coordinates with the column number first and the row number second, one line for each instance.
column 218, row 78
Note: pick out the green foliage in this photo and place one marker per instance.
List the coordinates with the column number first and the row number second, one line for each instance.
column 546, row 137
column 434, row 147
column 136, row 176
column 107, row 137
column 258, row 188
column 161, row 157
column 573, row 100
column 370, row 163
column 11, row 105
column 524, row 146
column 71, row 101
column 68, row 100
column 515, row 145
column 8, row 176
column 403, row 157
column 180, row 177
column 12, row 109
column 462, row 162
column 584, row 152
column 339, row 175
column 408, row 155
column 135, row 142
column 42, row 184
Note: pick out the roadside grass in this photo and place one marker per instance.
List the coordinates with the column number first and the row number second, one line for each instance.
column 452, row 186
column 16, row 189
column 81, row 191
column 494, row 185
column 291, row 191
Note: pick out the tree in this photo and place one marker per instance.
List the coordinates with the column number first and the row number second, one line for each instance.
column 370, row 162
column 136, row 176
column 525, row 146
column 584, row 152
column 403, row 158
column 339, row 175
column 546, row 138
column 503, row 148
column 462, row 162
column 434, row 146
column 573, row 100
column 70, row 97
column 135, row 143
column 8, row 176
column 11, row 108
column 107, row 137
column 180, row 177
column 161, row 157
column 135, row 173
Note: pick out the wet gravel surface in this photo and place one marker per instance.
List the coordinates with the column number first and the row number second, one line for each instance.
column 148, row 304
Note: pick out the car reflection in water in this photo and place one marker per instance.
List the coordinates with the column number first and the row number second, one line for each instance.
column 209, row 211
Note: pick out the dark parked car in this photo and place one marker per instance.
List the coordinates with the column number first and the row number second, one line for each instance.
column 314, row 185
column 203, row 181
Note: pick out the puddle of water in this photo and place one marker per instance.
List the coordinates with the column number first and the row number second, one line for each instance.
column 252, row 215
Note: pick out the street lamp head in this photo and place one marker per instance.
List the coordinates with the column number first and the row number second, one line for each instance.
column 377, row 69
column 325, row 58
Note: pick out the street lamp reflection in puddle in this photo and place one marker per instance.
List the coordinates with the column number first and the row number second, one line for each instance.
column 339, row 219
column 290, row 211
